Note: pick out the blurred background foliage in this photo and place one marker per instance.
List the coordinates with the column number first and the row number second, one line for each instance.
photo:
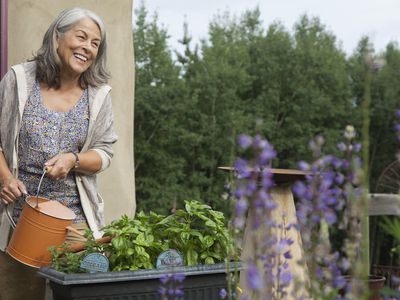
column 191, row 104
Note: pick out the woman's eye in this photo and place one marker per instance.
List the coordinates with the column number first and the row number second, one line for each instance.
column 95, row 45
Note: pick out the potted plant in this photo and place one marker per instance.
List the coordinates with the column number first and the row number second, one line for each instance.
column 197, row 232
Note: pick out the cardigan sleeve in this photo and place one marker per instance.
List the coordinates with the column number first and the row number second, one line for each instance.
column 104, row 135
column 8, row 94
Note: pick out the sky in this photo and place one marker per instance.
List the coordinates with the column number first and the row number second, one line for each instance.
column 348, row 20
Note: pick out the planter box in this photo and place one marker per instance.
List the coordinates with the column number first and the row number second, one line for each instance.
column 203, row 282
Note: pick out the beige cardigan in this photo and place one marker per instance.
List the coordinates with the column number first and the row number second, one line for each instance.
column 15, row 88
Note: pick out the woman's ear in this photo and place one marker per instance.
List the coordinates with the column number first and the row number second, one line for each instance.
column 57, row 39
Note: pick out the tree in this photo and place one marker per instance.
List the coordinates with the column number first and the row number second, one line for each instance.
column 159, row 169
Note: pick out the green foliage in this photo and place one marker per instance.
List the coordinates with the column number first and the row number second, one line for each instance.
column 136, row 242
column 198, row 232
column 64, row 260
column 191, row 105
column 391, row 226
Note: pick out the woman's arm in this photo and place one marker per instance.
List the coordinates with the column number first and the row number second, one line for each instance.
column 59, row 166
column 97, row 158
column 11, row 187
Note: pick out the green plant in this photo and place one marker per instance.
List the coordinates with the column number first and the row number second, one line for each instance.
column 392, row 226
column 136, row 243
column 64, row 260
column 198, row 232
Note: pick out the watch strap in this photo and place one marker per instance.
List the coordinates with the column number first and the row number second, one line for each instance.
column 77, row 161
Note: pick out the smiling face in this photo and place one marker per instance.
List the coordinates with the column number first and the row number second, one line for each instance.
column 78, row 47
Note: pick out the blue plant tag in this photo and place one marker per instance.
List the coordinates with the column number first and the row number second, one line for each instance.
column 169, row 258
column 95, row 262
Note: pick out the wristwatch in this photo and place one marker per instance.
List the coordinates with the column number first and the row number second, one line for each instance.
column 77, row 162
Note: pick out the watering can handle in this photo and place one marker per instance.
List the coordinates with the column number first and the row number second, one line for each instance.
column 10, row 219
column 8, row 213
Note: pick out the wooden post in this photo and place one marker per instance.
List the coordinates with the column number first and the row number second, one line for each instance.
column 284, row 214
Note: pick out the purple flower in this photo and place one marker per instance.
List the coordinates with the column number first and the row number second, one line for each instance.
column 304, row 166
column 327, row 199
column 251, row 187
column 336, row 163
column 285, row 278
column 266, row 155
column 170, row 286
column 165, row 278
column 339, row 179
column 271, row 205
column 241, row 207
column 254, row 281
column 330, row 217
column 299, row 188
column 267, row 182
column 327, row 180
column 339, row 282
column 315, row 218
column 239, row 193
column 242, row 168
column 239, row 222
column 357, row 147
column 263, row 195
column 287, row 255
column 283, row 244
column 178, row 277
column 342, row 147
column 319, row 273
column 398, row 114
column 223, row 293
column 244, row 141
column 258, row 141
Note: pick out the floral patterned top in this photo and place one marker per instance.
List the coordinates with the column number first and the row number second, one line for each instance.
column 44, row 134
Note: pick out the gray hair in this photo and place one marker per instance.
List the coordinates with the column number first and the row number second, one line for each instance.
column 48, row 61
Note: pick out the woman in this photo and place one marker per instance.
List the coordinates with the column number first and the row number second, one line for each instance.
column 55, row 112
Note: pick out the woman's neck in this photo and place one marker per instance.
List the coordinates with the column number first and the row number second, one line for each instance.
column 69, row 82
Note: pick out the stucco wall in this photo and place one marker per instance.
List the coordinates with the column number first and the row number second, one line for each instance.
column 28, row 21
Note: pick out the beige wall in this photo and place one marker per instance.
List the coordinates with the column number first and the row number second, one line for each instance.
column 28, row 20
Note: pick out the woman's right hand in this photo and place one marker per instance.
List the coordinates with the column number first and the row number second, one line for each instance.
column 12, row 188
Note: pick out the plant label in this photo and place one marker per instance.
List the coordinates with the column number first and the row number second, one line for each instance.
column 95, row 262
column 169, row 258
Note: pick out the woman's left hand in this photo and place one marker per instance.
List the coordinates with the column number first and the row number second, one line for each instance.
column 59, row 166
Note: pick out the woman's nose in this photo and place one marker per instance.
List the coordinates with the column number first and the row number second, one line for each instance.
column 87, row 46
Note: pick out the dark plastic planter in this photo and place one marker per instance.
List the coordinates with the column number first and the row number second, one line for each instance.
column 202, row 282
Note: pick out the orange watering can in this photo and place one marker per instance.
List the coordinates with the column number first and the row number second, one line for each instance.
column 43, row 223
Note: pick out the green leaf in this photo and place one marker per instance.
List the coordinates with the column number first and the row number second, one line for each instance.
column 208, row 241
column 166, row 220
column 196, row 233
column 118, row 243
column 188, row 208
column 184, row 236
column 211, row 224
column 140, row 239
column 191, row 257
column 209, row 260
